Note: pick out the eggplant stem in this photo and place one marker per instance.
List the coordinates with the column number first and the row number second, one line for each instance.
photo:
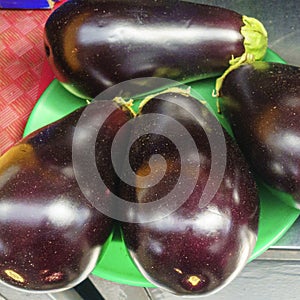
column 125, row 105
column 245, row 58
column 185, row 92
column 255, row 45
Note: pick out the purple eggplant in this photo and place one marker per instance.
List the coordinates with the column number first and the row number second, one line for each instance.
column 50, row 234
column 262, row 103
column 94, row 44
column 197, row 248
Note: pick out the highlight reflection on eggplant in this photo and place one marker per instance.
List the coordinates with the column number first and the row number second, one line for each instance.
column 194, row 250
column 262, row 103
column 92, row 45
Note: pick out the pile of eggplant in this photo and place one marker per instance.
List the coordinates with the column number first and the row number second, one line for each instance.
column 51, row 234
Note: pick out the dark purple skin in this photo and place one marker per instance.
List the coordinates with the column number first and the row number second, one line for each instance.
column 262, row 103
column 50, row 235
column 193, row 251
column 92, row 45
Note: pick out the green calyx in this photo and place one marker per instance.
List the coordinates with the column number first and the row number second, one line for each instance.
column 255, row 44
column 255, row 37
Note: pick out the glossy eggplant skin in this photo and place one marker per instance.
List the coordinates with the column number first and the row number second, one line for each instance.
column 50, row 234
column 262, row 103
column 194, row 250
column 92, row 45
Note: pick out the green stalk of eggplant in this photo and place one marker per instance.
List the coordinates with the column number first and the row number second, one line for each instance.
column 262, row 103
column 92, row 45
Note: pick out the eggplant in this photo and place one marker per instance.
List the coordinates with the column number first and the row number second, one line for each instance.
column 196, row 247
column 50, row 234
column 94, row 44
column 261, row 101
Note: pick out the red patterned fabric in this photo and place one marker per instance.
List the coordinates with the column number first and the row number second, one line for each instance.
column 24, row 73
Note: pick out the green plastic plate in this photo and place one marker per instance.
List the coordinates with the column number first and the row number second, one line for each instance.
column 114, row 263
